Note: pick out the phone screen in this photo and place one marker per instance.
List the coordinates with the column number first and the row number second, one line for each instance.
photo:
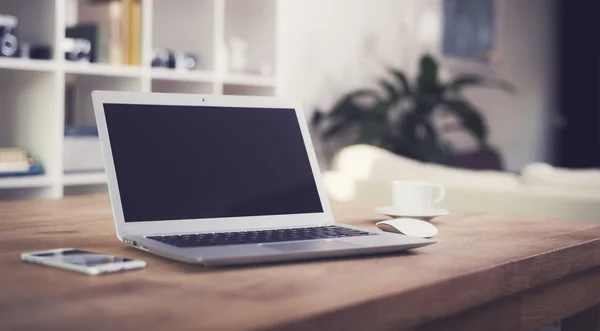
column 82, row 258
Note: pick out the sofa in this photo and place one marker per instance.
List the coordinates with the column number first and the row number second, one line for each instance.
column 363, row 173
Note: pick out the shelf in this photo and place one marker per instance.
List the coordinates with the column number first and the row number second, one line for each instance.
column 61, row 89
column 27, row 64
column 251, row 80
column 24, row 182
column 182, row 76
column 101, row 69
column 185, row 25
column 88, row 178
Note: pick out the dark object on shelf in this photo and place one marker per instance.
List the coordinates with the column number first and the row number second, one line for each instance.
column 164, row 58
column 18, row 162
column 9, row 44
column 399, row 117
column 161, row 58
column 77, row 50
column 38, row 52
column 88, row 32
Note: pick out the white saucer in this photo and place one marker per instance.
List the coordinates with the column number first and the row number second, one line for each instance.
column 389, row 211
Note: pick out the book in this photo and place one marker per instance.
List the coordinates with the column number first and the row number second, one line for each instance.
column 17, row 162
column 125, row 29
column 119, row 31
column 135, row 32
column 13, row 160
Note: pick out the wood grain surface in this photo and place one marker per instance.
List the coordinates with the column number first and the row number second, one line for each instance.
column 480, row 261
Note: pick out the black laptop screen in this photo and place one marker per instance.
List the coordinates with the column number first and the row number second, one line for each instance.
column 187, row 162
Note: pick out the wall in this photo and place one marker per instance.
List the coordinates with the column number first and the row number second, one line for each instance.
column 520, row 125
column 332, row 46
column 328, row 47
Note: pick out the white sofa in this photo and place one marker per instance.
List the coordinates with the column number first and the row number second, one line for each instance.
column 364, row 173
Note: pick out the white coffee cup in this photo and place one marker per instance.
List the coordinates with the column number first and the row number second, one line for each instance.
column 416, row 197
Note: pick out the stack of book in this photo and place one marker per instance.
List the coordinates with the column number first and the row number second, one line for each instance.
column 17, row 162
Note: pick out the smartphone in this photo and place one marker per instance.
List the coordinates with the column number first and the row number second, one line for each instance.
column 82, row 261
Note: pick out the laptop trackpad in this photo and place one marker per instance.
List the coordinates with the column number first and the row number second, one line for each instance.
column 319, row 245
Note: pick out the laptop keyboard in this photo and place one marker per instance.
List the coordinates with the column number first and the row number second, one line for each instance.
column 257, row 237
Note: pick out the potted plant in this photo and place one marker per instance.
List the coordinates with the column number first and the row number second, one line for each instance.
column 399, row 118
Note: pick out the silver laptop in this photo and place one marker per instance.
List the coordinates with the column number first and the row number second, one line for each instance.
column 222, row 180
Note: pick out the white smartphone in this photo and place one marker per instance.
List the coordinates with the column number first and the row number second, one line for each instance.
column 82, row 261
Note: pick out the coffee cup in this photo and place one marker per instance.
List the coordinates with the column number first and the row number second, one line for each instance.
column 416, row 197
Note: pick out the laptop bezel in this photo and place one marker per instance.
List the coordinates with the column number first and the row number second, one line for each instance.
column 206, row 224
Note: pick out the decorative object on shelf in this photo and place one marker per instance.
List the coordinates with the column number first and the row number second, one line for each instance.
column 265, row 70
column 179, row 60
column 18, row 162
column 184, row 61
column 35, row 51
column 25, row 50
column 401, row 119
column 85, row 31
column 469, row 30
column 9, row 44
column 77, row 50
column 238, row 55
column 82, row 151
column 161, row 58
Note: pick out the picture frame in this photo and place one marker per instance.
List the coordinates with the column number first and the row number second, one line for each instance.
column 469, row 30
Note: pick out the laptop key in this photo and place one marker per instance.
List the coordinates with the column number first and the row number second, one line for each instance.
column 259, row 236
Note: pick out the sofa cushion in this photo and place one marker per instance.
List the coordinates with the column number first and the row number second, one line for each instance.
column 364, row 162
column 527, row 201
column 545, row 175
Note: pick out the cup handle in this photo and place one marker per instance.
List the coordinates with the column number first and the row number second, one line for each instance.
column 441, row 194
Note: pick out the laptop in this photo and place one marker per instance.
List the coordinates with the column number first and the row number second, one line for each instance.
column 222, row 180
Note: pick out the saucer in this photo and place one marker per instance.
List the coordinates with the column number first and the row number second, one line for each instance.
column 389, row 211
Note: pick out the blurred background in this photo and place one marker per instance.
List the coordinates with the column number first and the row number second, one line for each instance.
column 503, row 86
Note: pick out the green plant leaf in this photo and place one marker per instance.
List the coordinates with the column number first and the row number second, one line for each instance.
column 427, row 80
column 371, row 131
column 479, row 81
column 420, row 150
column 346, row 113
column 390, row 89
column 316, row 118
column 339, row 126
column 347, row 106
column 430, row 131
column 401, row 78
column 382, row 108
column 432, row 153
column 470, row 117
column 409, row 125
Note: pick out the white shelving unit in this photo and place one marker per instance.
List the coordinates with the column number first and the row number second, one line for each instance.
column 79, row 179
column 32, row 115
column 25, row 182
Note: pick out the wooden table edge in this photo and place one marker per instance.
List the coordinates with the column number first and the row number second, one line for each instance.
column 349, row 317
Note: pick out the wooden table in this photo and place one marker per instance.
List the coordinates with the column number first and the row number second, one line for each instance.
column 486, row 273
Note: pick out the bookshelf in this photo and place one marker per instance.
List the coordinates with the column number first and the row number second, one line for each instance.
column 34, row 91
column 90, row 178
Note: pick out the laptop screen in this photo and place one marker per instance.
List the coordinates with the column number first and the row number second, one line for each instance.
column 189, row 162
